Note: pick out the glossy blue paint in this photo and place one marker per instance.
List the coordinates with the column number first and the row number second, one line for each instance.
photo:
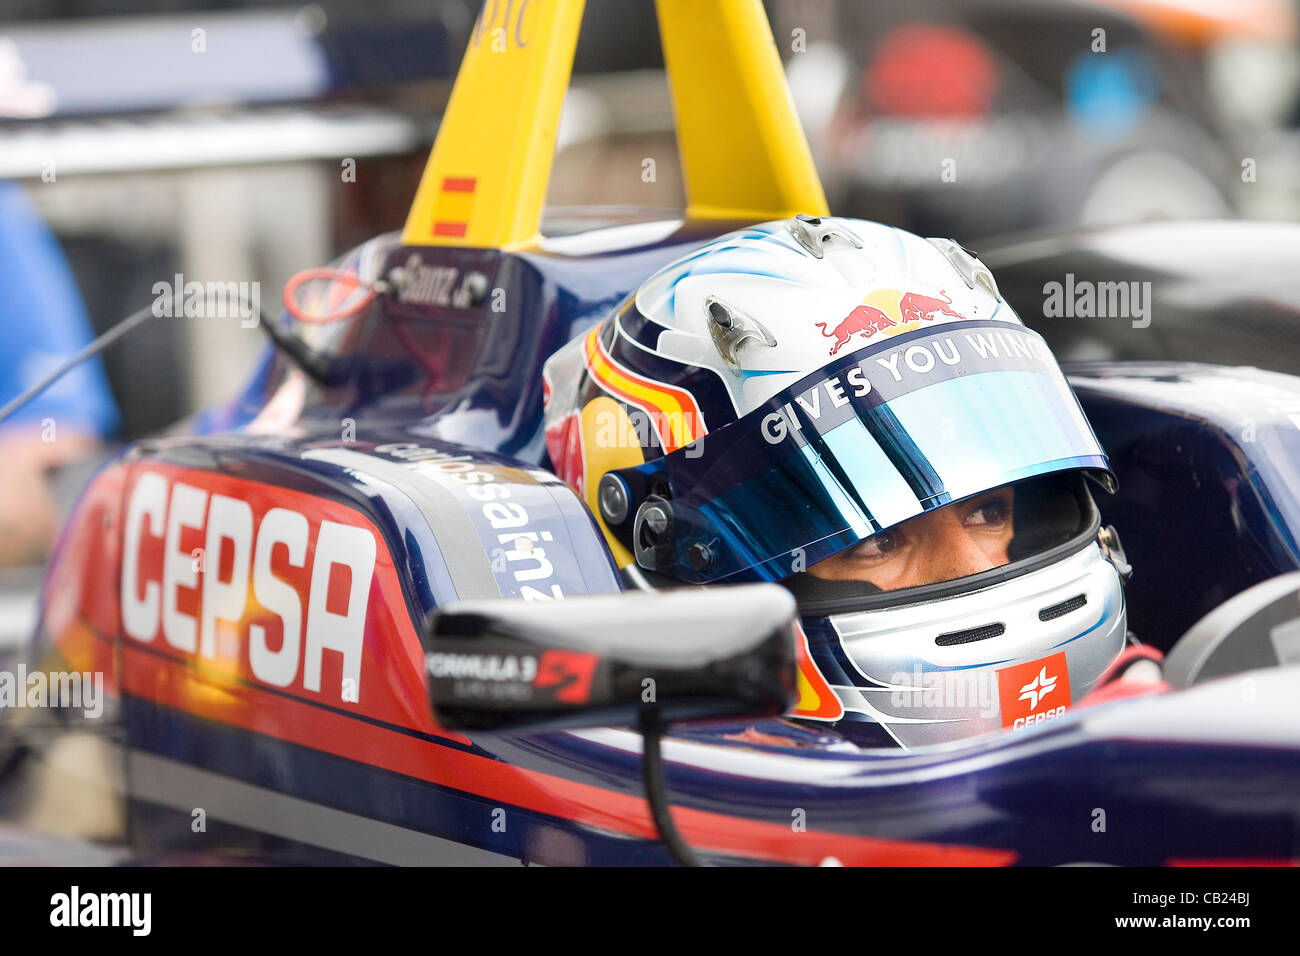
column 536, row 301
column 1208, row 461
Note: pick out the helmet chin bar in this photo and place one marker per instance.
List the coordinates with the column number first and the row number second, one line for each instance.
column 938, row 671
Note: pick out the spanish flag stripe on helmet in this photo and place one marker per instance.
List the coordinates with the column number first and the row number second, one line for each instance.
column 673, row 411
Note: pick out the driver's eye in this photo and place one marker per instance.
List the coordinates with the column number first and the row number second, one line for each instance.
column 994, row 512
column 879, row 544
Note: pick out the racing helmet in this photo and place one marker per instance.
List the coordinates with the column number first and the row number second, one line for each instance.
column 794, row 392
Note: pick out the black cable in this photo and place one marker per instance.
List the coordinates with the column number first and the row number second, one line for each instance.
column 324, row 368
column 133, row 320
column 656, row 791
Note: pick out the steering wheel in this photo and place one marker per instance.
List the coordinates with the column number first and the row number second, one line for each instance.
column 1260, row 627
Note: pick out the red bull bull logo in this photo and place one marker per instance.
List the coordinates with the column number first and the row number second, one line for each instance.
column 864, row 318
column 867, row 320
column 922, row 308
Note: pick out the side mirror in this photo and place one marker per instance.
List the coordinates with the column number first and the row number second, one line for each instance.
column 689, row 654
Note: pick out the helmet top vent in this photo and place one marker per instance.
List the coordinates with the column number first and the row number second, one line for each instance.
column 813, row 233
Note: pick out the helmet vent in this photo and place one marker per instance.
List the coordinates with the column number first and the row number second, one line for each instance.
column 972, row 271
column 1065, row 607
column 971, row 634
column 813, row 232
column 731, row 329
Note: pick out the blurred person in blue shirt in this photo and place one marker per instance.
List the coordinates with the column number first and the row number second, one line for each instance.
column 42, row 323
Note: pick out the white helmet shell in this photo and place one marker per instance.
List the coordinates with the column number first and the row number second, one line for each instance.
column 870, row 282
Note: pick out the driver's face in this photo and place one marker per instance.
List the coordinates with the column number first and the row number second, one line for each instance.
column 950, row 542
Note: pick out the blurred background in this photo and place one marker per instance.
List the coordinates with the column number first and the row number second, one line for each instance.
column 246, row 140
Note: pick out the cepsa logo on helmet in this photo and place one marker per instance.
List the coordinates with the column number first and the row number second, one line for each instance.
column 1035, row 691
column 229, row 569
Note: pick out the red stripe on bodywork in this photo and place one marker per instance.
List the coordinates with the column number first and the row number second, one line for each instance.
column 173, row 684
column 393, row 700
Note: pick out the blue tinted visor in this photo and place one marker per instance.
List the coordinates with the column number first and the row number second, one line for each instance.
column 884, row 434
